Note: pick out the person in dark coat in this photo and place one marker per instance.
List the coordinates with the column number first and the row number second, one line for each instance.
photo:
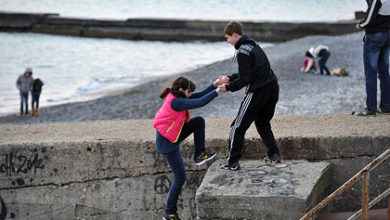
column 36, row 93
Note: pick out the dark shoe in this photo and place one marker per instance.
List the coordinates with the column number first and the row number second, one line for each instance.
column 367, row 113
column 171, row 217
column 204, row 157
column 274, row 159
column 233, row 167
column 383, row 111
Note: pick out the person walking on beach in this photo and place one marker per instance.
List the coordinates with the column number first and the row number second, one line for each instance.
column 376, row 24
column 323, row 53
column 24, row 83
column 262, row 94
column 36, row 93
column 173, row 124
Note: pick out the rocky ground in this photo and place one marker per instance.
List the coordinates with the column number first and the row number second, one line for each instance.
column 300, row 93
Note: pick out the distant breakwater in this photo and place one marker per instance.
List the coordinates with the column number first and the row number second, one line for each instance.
column 165, row 29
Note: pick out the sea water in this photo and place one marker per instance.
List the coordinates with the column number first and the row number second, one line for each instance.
column 79, row 69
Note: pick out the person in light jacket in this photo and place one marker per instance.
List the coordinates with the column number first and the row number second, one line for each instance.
column 25, row 84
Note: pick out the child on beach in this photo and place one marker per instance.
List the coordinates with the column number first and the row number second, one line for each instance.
column 173, row 124
column 309, row 63
column 262, row 93
column 36, row 93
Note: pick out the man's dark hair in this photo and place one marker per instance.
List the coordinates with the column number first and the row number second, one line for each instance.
column 233, row 27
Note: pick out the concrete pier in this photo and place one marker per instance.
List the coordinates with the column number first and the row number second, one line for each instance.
column 165, row 29
column 111, row 169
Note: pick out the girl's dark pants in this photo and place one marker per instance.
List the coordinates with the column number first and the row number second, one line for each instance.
column 174, row 157
column 35, row 99
column 258, row 107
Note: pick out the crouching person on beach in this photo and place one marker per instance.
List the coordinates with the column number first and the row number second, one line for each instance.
column 262, row 94
column 173, row 123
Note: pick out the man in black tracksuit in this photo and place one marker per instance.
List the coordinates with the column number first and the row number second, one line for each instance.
column 262, row 93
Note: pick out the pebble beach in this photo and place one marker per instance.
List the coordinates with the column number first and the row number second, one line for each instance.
column 300, row 93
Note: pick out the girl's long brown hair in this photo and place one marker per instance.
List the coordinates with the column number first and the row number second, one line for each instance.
column 179, row 83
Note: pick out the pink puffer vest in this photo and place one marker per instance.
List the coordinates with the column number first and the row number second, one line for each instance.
column 169, row 122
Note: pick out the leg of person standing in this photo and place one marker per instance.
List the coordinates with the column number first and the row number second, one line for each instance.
column 33, row 100
column 263, row 125
column 373, row 44
column 322, row 63
column 21, row 103
column 384, row 78
column 26, row 103
column 238, row 128
column 176, row 163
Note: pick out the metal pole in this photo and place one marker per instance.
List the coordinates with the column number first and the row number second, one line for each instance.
column 388, row 205
column 379, row 160
column 371, row 204
column 365, row 194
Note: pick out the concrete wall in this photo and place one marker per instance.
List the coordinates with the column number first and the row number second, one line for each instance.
column 166, row 29
column 111, row 170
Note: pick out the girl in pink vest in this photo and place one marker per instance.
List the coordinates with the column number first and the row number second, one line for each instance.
column 173, row 124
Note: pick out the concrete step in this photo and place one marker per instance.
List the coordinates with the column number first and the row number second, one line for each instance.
column 374, row 214
column 262, row 190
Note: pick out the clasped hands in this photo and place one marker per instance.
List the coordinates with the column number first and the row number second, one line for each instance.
column 221, row 83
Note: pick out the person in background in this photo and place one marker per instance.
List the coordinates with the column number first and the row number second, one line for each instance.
column 376, row 24
column 323, row 53
column 36, row 93
column 309, row 63
column 24, row 83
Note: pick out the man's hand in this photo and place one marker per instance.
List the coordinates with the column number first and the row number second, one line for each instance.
column 358, row 27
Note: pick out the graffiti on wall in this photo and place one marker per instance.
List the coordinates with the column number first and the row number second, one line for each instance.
column 17, row 163
column 14, row 164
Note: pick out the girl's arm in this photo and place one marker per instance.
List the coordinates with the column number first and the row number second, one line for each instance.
column 181, row 104
column 203, row 92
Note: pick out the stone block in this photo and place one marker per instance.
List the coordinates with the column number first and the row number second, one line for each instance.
column 262, row 190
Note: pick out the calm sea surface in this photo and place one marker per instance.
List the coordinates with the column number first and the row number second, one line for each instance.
column 79, row 69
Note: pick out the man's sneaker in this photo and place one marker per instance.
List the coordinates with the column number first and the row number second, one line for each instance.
column 367, row 113
column 171, row 217
column 204, row 157
column 382, row 111
column 233, row 167
column 274, row 159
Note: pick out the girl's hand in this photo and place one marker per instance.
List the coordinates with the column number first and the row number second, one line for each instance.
column 218, row 90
